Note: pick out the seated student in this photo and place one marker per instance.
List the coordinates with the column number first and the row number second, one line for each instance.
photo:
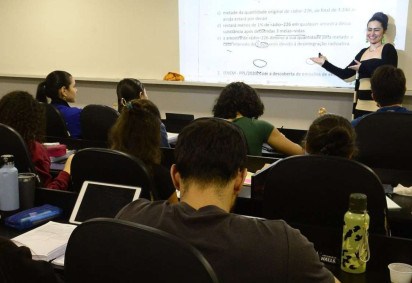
column 17, row 265
column 240, row 104
column 128, row 89
column 209, row 172
column 388, row 85
column 19, row 110
column 331, row 134
column 136, row 132
column 60, row 87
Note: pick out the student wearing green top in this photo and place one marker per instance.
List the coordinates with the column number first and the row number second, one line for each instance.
column 240, row 104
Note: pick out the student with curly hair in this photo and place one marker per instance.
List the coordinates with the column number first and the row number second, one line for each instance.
column 129, row 89
column 136, row 132
column 19, row 110
column 240, row 104
column 60, row 87
column 331, row 134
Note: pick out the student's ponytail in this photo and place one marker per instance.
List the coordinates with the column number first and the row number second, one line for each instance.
column 41, row 92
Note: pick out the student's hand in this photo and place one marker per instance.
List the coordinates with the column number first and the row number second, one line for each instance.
column 356, row 66
column 68, row 164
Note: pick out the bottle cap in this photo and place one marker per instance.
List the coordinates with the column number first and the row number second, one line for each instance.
column 357, row 202
column 7, row 158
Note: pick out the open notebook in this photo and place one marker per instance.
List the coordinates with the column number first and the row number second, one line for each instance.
column 48, row 241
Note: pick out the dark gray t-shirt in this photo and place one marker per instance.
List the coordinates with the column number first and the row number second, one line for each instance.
column 239, row 248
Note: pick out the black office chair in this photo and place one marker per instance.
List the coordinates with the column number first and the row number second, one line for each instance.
column 384, row 140
column 175, row 122
column 110, row 166
column 315, row 189
column 11, row 142
column 55, row 123
column 96, row 121
column 112, row 250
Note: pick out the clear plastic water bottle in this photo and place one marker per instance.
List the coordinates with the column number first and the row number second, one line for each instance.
column 355, row 245
column 9, row 184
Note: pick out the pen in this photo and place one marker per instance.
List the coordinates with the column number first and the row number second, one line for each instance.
column 320, row 54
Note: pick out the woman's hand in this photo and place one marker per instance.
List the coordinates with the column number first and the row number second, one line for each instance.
column 356, row 66
column 320, row 60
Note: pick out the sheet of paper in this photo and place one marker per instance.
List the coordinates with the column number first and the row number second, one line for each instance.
column 391, row 204
column 248, row 179
column 58, row 261
column 172, row 137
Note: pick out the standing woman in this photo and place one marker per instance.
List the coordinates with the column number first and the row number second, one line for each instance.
column 366, row 61
column 129, row 89
column 136, row 132
column 240, row 104
column 60, row 87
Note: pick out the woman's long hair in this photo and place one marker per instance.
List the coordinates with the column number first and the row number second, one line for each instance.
column 137, row 131
column 19, row 110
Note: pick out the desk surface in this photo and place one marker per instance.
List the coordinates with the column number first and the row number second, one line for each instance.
column 383, row 250
column 400, row 221
column 327, row 242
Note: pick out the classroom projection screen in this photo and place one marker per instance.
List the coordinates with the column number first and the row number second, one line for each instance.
column 269, row 42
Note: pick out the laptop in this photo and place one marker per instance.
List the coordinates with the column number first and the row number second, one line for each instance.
column 98, row 199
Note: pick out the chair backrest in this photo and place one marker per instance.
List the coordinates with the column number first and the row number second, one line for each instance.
column 55, row 123
column 110, row 166
column 96, row 121
column 175, row 122
column 384, row 140
column 314, row 190
column 112, row 250
column 11, row 142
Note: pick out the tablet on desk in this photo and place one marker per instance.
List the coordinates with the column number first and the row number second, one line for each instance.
column 101, row 200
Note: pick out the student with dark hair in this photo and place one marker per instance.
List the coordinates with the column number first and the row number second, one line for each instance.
column 60, row 88
column 378, row 53
column 129, row 89
column 209, row 172
column 331, row 134
column 136, row 132
column 19, row 110
column 388, row 85
column 240, row 104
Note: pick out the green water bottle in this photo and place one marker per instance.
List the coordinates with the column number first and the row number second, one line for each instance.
column 355, row 245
